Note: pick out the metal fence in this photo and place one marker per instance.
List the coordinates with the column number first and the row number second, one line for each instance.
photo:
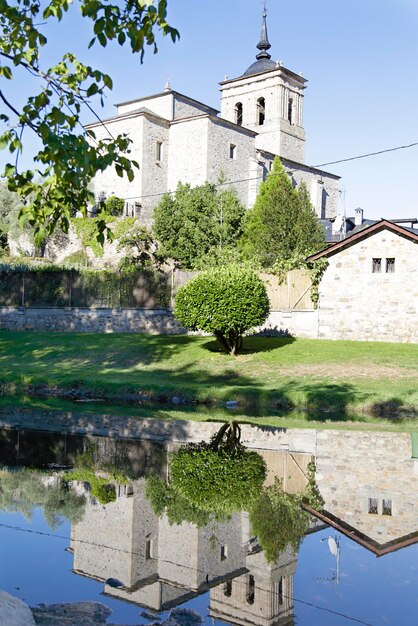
column 72, row 288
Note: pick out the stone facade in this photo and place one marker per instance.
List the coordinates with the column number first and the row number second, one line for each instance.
column 358, row 302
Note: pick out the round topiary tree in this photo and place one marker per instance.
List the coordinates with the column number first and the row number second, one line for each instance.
column 219, row 476
column 223, row 301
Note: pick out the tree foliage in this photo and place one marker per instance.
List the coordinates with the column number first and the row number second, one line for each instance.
column 216, row 481
column 140, row 249
column 196, row 225
column 278, row 519
column 282, row 224
column 164, row 499
column 223, row 301
column 67, row 159
column 114, row 206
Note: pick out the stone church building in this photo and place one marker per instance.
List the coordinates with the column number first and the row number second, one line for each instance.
column 176, row 139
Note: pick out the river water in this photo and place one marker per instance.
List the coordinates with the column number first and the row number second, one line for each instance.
column 356, row 564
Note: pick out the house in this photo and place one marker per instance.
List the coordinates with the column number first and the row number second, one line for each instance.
column 369, row 291
column 176, row 138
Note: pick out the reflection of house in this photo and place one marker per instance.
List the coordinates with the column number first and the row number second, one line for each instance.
column 369, row 289
column 369, row 482
column 176, row 138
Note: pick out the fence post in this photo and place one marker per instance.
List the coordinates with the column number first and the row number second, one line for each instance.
column 70, row 288
column 23, row 289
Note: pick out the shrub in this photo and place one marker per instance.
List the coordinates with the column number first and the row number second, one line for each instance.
column 223, row 301
column 114, row 206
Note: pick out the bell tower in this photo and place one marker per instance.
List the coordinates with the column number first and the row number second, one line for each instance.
column 268, row 99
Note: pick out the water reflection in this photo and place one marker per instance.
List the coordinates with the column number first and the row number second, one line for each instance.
column 368, row 483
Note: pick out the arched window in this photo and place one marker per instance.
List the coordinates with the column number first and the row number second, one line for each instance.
column 261, row 111
column 228, row 588
column 238, row 113
column 290, row 111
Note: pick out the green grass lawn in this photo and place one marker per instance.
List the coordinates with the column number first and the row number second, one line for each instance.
column 328, row 380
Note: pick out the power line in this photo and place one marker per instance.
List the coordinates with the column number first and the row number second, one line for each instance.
column 132, row 552
column 369, row 154
column 246, row 180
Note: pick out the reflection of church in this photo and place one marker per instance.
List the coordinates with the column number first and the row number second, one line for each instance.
column 159, row 566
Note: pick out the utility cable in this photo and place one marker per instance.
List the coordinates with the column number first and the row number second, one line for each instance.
column 369, row 154
column 81, row 541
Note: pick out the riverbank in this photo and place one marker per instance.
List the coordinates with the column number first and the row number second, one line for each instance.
column 317, row 377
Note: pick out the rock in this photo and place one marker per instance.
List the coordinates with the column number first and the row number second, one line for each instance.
column 149, row 616
column 176, row 400
column 71, row 614
column 14, row 612
column 186, row 617
column 231, row 404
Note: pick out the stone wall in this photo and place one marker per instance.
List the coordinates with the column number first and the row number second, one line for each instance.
column 153, row 321
column 357, row 304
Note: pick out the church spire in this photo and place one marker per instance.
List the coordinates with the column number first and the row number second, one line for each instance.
column 264, row 44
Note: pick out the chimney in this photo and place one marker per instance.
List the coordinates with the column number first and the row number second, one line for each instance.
column 358, row 216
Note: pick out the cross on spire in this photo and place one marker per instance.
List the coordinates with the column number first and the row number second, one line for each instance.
column 264, row 44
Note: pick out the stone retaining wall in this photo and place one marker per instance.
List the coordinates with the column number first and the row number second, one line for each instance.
column 153, row 321
column 106, row 320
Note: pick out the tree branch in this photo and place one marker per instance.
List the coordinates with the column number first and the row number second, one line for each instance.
column 16, row 112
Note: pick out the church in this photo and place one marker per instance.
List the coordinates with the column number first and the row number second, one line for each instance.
column 176, row 138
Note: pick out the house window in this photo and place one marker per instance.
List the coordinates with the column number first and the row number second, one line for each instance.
column 390, row 266
column 224, row 553
column 387, row 507
column 250, row 589
column 232, row 151
column 238, row 113
column 228, row 588
column 261, row 111
column 376, row 266
column 290, row 111
column 373, row 506
column 159, row 151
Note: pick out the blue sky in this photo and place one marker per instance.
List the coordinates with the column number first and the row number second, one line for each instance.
column 360, row 59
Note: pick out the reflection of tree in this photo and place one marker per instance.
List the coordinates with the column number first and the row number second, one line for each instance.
column 219, row 477
column 278, row 519
column 163, row 498
column 26, row 489
column 87, row 470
